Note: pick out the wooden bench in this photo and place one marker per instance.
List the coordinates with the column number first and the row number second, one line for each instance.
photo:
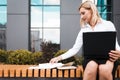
column 23, row 71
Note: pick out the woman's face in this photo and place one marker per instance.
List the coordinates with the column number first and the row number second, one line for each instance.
column 85, row 15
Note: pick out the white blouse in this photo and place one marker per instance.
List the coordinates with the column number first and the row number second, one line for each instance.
column 101, row 26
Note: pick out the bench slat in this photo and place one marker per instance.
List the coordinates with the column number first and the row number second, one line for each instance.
column 55, row 73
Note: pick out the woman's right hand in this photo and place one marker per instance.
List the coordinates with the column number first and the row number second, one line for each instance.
column 56, row 59
column 114, row 55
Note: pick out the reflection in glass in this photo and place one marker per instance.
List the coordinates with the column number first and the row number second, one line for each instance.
column 102, row 8
column 36, row 39
column 3, row 15
column 36, row 2
column 94, row 1
column 51, row 2
column 103, row 11
column 3, row 2
column 52, row 35
column 51, row 16
column 36, row 16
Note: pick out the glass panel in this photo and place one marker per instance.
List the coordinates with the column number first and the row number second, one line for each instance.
column 105, row 2
column 102, row 8
column 2, row 38
column 3, row 2
column 51, row 2
column 94, row 1
column 52, row 35
column 104, row 15
column 51, row 16
column 36, row 39
column 3, row 15
column 36, row 2
column 101, row 2
column 36, row 16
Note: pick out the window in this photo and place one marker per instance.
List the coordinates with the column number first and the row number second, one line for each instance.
column 3, row 13
column 3, row 21
column 45, row 22
column 94, row 1
column 105, row 9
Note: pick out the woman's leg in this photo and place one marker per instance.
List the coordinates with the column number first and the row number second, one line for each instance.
column 105, row 70
column 114, row 69
column 90, row 71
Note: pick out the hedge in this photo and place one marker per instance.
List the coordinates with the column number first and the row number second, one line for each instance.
column 27, row 57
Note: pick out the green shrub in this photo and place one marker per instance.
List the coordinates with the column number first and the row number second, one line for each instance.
column 37, row 57
column 20, row 57
column 79, row 60
column 60, row 52
column 27, row 57
column 48, row 49
column 3, row 55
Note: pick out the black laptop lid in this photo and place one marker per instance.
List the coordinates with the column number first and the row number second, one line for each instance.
column 98, row 44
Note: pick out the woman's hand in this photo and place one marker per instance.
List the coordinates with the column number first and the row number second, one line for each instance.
column 56, row 59
column 114, row 55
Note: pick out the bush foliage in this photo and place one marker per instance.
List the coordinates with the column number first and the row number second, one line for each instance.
column 27, row 57
column 48, row 51
column 19, row 57
column 3, row 56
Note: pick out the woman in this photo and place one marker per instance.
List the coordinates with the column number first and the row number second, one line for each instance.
column 91, row 21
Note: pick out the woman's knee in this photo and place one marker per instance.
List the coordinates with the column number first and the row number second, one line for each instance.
column 91, row 68
column 104, row 70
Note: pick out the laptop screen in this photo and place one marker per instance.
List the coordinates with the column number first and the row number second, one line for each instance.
column 98, row 44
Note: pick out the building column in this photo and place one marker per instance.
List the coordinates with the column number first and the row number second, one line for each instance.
column 17, row 32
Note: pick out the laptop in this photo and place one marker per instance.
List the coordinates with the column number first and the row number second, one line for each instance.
column 97, row 45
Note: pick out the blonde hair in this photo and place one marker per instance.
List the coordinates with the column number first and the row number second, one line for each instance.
column 95, row 15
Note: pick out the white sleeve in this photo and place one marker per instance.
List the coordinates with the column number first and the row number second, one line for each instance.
column 113, row 28
column 117, row 45
column 76, row 47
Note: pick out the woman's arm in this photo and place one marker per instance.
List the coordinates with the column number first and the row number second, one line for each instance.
column 71, row 52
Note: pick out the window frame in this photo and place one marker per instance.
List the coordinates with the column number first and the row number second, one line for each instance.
column 42, row 26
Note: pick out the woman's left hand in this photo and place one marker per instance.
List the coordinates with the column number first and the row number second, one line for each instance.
column 114, row 55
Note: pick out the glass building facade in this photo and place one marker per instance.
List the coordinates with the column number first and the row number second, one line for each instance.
column 45, row 20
